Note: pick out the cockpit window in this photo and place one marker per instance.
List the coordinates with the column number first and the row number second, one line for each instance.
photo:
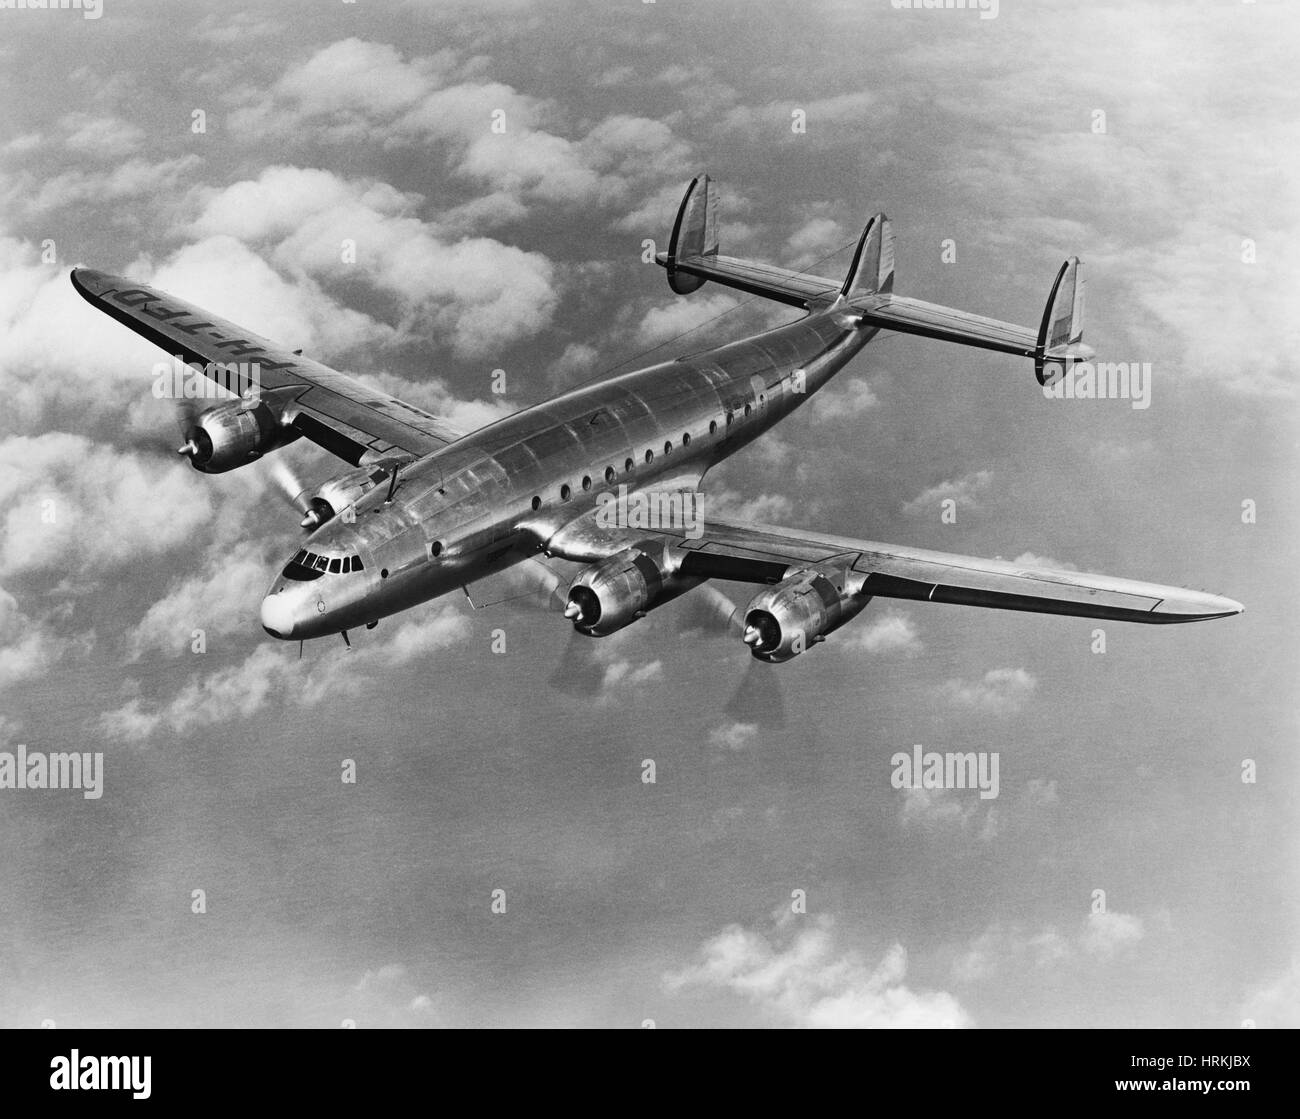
column 307, row 565
column 299, row 572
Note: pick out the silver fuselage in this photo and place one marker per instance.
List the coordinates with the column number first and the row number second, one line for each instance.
column 490, row 499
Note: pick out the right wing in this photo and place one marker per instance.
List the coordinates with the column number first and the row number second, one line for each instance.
column 356, row 423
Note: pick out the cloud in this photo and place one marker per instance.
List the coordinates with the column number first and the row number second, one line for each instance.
column 1107, row 933
column 797, row 975
column 681, row 316
column 937, row 810
column 73, row 505
column 887, row 633
column 101, row 136
column 478, row 293
column 845, row 400
column 820, row 115
column 1002, row 691
column 30, row 195
column 354, row 91
column 29, row 647
column 241, row 690
column 1001, row 948
column 220, row 600
column 621, row 673
column 964, row 491
column 1276, row 1006
column 733, row 736
column 766, row 508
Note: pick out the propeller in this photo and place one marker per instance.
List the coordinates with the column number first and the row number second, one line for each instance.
column 290, row 487
column 708, row 609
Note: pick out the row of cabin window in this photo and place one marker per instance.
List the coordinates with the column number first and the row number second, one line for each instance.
column 610, row 473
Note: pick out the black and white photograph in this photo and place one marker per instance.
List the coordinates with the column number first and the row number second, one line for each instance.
column 650, row 514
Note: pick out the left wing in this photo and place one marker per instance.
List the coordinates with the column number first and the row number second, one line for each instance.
column 770, row 554
column 356, row 423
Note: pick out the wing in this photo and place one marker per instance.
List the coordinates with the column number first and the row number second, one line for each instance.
column 342, row 415
column 768, row 554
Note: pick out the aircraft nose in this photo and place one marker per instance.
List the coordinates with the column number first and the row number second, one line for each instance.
column 277, row 615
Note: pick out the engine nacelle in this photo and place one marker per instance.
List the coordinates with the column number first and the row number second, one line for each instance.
column 338, row 493
column 783, row 620
column 617, row 591
column 232, row 435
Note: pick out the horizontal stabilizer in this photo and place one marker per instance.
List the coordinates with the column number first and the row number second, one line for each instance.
column 693, row 258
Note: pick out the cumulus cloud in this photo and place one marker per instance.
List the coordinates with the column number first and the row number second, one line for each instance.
column 733, row 736
column 488, row 131
column 475, row 291
column 964, row 491
column 766, row 508
column 844, row 400
column 102, row 135
column 680, row 316
column 622, row 673
column 1001, row 948
column 30, row 647
column 797, row 975
column 891, row 632
column 1108, row 932
column 1002, row 691
column 1276, row 1005
column 241, row 690
column 936, row 810
column 75, row 506
column 219, row 599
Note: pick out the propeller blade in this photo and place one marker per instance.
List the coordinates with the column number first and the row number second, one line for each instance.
column 293, row 491
column 713, row 612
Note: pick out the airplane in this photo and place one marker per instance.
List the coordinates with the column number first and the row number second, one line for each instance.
column 426, row 509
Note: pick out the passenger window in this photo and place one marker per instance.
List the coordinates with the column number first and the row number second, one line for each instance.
column 609, row 473
column 668, row 446
column 649, row 456
column 586, row 482
column 627, row 466
column 686, row 439
column 537, row 504
column 564, row 492
column 713, row 427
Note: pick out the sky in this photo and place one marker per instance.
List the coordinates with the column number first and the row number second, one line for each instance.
column 1138, row 866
